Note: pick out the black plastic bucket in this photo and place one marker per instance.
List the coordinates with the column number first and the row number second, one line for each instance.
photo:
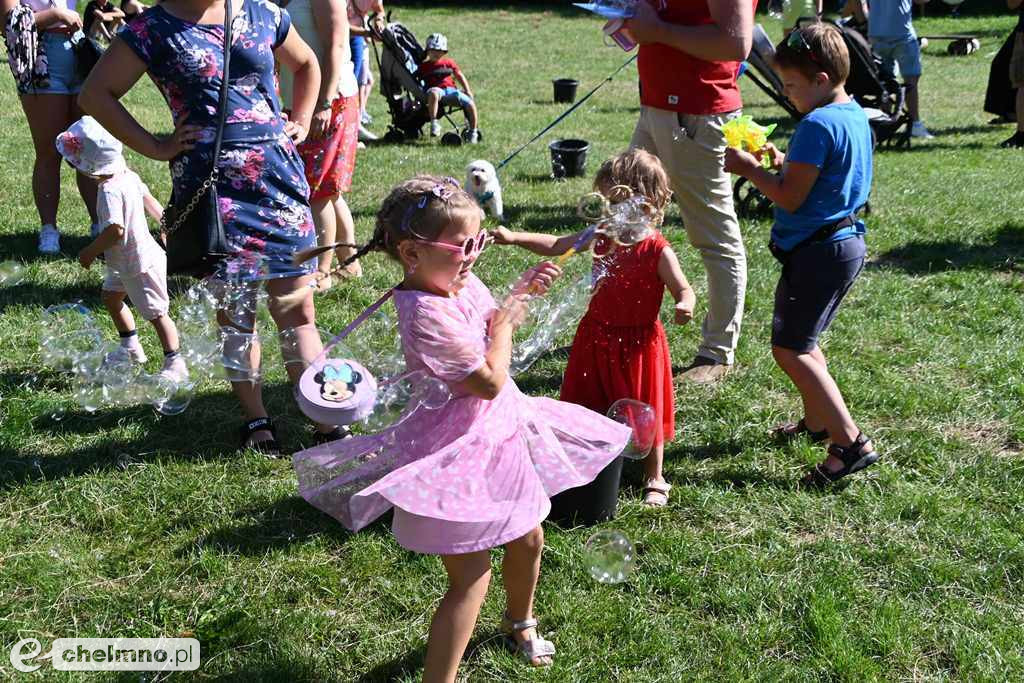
column 591, row 503
column 568, row 157
column 565, row 89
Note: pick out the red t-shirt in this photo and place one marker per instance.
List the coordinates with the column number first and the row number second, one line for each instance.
column 438, row 74
column 676, row 81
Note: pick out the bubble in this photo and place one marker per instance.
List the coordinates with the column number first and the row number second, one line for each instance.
column 58, row 416
column 172, row 398
column 552, row 317
column 89, row 397
column 239, row 353
column 642, row 419
column 609, row 556
column 11, row 273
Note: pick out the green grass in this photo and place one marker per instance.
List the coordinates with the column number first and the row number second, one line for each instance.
column 125, row 523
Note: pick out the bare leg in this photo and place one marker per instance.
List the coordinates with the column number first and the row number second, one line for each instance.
column 291, row 306
column 520, row 570
column 653, row 463
column 48, row 116
column 325, row 219
column 455, row 618
column 821, row 395
column 347, row 234
column 471, row 115
column 167, row 332
column 249, row 392
column 433, row 98
column 119, row 313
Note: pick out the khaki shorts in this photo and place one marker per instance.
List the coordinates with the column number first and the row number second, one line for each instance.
column 1017, row 62
column 147, row 291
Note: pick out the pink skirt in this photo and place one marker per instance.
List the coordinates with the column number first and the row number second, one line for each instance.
column 331, row 160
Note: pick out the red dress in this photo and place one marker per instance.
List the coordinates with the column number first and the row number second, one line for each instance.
column 620, row 349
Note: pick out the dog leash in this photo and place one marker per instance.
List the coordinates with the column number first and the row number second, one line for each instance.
column 568, row 111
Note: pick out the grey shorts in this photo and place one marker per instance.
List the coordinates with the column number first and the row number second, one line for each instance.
column 814, row 281
column 902, row 52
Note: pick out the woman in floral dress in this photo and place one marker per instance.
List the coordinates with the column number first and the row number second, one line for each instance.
column 262, row 187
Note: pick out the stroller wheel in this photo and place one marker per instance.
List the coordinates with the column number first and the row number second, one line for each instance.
column 394, row 136
column 451, row 139
column 750, row 201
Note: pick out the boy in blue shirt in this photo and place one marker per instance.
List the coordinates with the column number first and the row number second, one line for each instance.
column 893, row 38
column 823, row 179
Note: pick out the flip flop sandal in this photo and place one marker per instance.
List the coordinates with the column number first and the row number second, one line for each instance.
column 268, row 447
column 854, row 457
column 333, row 435
column 789, row 430
column 528, row 650
column 656, row 493
column 318, row 277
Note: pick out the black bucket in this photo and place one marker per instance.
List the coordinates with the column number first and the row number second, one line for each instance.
column 565, row 89
column 568, row 157
column 591, row 503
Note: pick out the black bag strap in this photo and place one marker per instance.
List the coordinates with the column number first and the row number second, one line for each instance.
column 179, row 219
column 223, row 106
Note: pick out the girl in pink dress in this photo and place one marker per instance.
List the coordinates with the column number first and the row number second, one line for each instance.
column 478, row 472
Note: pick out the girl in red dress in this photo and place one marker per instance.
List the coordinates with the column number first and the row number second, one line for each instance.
column 620, row 349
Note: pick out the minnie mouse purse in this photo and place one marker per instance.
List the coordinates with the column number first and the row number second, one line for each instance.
column 339, row 391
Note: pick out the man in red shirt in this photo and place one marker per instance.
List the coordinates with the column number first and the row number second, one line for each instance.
column 690, row 53
column 438, row 73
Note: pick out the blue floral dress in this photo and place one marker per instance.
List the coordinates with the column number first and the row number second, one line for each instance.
column 263, row 192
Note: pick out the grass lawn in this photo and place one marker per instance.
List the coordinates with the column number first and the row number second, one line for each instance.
column 126, row 523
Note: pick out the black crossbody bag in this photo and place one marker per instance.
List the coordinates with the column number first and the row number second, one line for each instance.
column 196, row 241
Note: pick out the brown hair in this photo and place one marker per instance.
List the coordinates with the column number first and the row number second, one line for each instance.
column 639, row 170
column 827, row 52
column 420, row 208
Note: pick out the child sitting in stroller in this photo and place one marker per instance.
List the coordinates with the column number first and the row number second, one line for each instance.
column 439, row 74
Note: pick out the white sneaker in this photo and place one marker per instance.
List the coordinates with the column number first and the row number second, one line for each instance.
column 435, row 128
column 360, row 145
column 919, row 131
column 49, row 240
column 365, row 118
column 474, row 136
column 365, row 135
column 175, row 370
column 131, row 354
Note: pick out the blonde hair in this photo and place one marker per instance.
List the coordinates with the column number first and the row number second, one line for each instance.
column 419, row 208
column 639, row 170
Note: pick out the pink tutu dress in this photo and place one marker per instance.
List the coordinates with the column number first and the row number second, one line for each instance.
column 472, row 474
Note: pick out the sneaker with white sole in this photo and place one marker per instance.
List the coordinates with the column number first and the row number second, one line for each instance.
column 130, row 354
column 919, row 131
column 49, row 240
column 175, row 370
column 435, row 128
column 474, row 136
column 366, row 135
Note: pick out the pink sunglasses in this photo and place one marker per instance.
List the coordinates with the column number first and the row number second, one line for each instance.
column 471, row 247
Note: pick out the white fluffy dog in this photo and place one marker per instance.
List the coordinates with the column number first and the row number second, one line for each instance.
column 482, row 183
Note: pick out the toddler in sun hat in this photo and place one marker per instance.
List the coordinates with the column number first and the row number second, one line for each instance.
column 136, row 266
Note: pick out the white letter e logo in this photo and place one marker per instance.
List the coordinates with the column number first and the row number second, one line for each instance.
column 18, row 658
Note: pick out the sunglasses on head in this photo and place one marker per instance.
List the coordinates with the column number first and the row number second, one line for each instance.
column 472, row 246
column 796, row 41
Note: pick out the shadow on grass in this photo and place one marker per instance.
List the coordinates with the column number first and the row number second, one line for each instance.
column 207, row 429
column 534, row 218
column 1001, row 252
column 286, row 521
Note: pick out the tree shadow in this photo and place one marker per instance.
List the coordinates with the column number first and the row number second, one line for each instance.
column 735, row 478
column 408, row 665
column 1001, row 252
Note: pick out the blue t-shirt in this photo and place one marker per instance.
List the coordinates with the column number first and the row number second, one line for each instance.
column 890, row 19
column 837, row 139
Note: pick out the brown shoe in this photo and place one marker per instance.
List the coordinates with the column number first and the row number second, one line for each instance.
column 704, row 370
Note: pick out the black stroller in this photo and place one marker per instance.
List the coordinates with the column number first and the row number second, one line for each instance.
column 398, row 59
column 875, row 89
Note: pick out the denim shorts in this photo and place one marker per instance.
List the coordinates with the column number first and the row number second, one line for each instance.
column 358, row 46
column 60, row 60
column 904, row 52
column 814, row 281
column 452, row 96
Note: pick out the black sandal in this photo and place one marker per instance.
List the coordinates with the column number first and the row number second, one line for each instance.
column 269, row 447
column 339, row 432
column 854, row 457
column 785, row 432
